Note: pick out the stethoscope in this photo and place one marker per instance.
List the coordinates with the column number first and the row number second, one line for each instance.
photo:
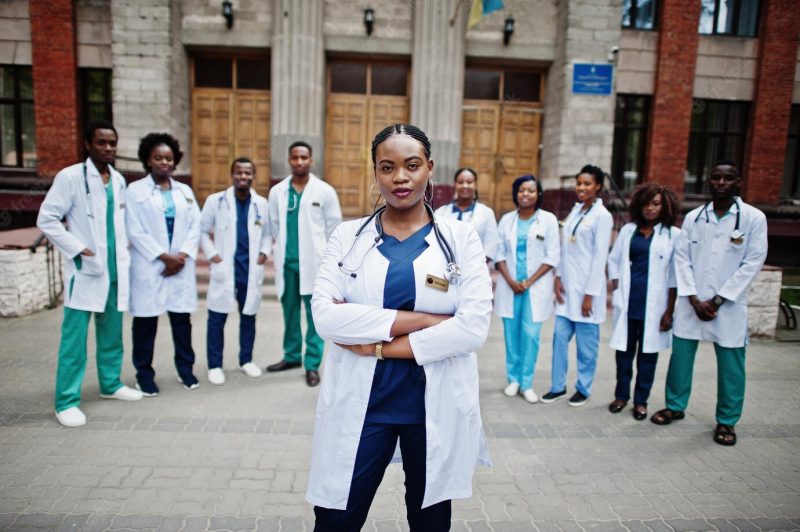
column 736, row 234
column 88, row 193
column 452, row 271
column 224, row 199
column 155, row 187
column 572, row 237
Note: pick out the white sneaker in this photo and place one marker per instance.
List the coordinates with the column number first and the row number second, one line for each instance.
column 71, row 417
column 124, row 394
column 512, row 389
column 216, row 376
column 251, row 370
column 530, row 396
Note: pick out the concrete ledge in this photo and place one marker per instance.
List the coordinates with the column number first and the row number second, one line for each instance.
column 763, row 302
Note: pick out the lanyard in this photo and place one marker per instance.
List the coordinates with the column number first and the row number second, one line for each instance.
column 572, row 237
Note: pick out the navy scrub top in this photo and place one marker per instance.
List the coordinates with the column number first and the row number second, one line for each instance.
column 639, row 255
column 241, row 259
column 398, row 386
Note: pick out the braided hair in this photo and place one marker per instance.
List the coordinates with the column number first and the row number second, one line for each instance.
column 402, row 129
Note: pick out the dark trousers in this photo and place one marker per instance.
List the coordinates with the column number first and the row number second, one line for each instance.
column 375, row 450
column 645, row 366
column 144, row 337
column 215, row 332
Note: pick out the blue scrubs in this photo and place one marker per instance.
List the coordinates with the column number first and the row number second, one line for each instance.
column 461, row 213
column 396, row 409
column 520, row 332
column 215, row 336
column 639, row 256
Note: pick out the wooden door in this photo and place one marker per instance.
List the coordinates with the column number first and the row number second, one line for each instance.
column 345, row 144
column 211, row 140
column 480, row 124
column 252, row 133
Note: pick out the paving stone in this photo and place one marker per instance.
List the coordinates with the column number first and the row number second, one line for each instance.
column 232, row 523
column 773, row 524
column 38, row 520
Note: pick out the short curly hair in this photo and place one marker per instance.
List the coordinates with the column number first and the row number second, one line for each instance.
column 644, row 193
column 151, row 140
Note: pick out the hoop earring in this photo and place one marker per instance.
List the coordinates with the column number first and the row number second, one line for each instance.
column 428, row 196
column 377, row 201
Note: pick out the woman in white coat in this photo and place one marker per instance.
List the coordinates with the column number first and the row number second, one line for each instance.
column 467, row 208
column 580, row 287
column 406, row 298
column 527, row 251
column 164, row 229
column 641, row 268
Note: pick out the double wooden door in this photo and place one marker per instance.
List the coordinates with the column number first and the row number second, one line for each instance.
column 500, row 140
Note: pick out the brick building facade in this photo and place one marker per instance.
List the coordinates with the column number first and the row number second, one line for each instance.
column 690, row 85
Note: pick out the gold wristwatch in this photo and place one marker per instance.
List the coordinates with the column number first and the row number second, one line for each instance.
column 379, row 350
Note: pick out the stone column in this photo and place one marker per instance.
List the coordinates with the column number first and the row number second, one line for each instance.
column 772, row 103
column 671, row 117
column 298, row 82
column 55, row 85
column 579, row 129
column 437, row 88
column 150, row 76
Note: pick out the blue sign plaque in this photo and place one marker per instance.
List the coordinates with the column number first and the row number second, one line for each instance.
column 592, row 79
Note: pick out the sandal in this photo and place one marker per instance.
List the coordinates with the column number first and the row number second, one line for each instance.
column 617, row 405
column 639, row 412
column 724, row 435
column 667, row 416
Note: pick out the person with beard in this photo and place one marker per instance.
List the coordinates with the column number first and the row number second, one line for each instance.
column 238, row 219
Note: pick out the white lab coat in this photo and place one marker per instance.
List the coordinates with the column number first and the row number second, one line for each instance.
column 482, row 219
column 319, row 215
column 708, row 263
column 455, row 440
column 583, row 263
column 87, row 288
column 660, row 278
column 543, row 248
column 152, row 294
column 219, row 216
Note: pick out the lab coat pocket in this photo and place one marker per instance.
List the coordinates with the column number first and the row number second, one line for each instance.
column 217, row 271
column 462, row 375
column 91, row 265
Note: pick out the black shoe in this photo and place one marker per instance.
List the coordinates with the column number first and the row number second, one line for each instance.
column 578, row 399
column 283, row 366
column 312, row 378
column 617, row 405
column 639, row 412
column 549, row 397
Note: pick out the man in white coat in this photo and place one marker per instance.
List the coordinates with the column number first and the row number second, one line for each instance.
column 91, row 196
column 237, row 217
column 721, row 249
column 303, row 212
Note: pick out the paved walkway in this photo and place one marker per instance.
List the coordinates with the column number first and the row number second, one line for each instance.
column 236, row 457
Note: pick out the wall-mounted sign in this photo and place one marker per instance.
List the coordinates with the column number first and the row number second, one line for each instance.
column 592, row 79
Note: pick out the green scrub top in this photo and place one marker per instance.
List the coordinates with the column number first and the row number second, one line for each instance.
column 111, row 236
column 292, row 259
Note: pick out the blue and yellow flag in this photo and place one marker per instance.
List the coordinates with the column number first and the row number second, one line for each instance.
column 481, row 8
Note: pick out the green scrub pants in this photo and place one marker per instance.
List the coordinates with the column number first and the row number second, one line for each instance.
column 72, row 351
column 292, row 333
column 730, row 379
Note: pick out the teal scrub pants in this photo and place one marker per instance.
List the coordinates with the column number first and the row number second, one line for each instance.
column 730, row 379
column 292, row 333
column 72, row 351
column 522, row 343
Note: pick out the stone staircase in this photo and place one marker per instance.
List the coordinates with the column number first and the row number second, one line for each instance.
column 268, row 290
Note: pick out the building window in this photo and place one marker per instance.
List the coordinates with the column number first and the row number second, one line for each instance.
column 639, row 14
column 504, row 85
column 252, row 73
column 791, row 165
column 729, row 17
column 719, row 131
column 95, row 94
column 17, row 126
column 630, row 139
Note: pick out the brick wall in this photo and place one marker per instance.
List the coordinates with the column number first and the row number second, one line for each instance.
column 779, row 26
column 55, row 85
column 672, row 98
